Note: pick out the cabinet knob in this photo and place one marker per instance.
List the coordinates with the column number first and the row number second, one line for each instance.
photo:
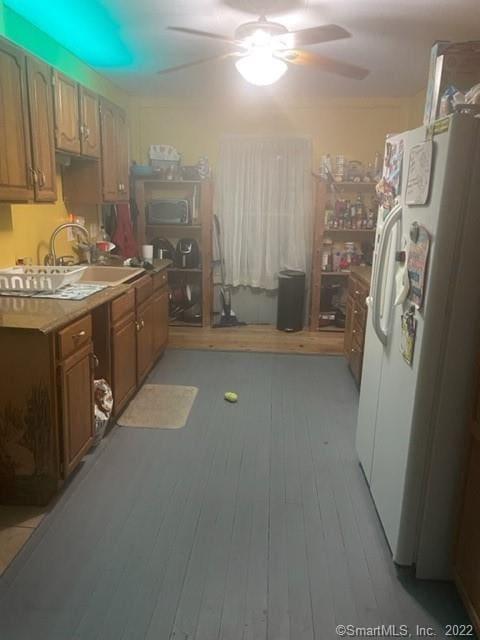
column 41, row 178
column 357, row 292
column 80, row 334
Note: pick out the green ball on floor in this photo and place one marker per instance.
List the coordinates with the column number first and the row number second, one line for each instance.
column 231, row 396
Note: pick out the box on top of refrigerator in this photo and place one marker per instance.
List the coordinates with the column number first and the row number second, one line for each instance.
column 451, row 64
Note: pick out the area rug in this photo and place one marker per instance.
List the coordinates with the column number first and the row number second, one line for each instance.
column 159, row 406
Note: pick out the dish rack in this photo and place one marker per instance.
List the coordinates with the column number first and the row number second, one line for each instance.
column 38, row 278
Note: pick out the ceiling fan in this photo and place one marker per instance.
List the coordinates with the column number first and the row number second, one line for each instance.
column 266, row 48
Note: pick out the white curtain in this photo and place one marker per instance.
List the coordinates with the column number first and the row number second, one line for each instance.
column 263, row 199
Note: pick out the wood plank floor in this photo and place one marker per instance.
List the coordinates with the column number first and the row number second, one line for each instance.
column 256, row 338
column 253, row 522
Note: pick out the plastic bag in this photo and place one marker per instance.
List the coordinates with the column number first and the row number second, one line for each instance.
column 103, row 408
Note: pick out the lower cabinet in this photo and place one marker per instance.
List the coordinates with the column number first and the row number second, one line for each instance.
column 355, row 323
column 77, row 408
column 47, row 411
column 139, row 334
column 124, row 372
column 145, row 353
column 160, row 320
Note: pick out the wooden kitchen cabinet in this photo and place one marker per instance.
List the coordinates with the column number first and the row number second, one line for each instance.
column 115, row 163
column 16, row 171
column 355, row 322
column 90, row 143
column 124, row 350
column 46, row 408
column 123, row 164
column 347, row 340
column 42, row 130
column 75, row 355
column 47, row 402
column 124, row 371
column 139, row 334
column 77, row 407
column 67, row 113
column 160, row 320
column 145, row 353
column 77, row 118
column 109, row 151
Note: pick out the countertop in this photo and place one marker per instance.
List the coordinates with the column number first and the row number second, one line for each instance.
column 159, row 265
column 363, row 273
column 47, row 315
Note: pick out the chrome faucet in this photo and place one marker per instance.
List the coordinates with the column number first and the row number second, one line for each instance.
column 51, row 257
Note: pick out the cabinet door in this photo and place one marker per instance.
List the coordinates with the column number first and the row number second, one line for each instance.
column 356, row 359
column 124, row 371
column 160, row 320
column 89, row 123
column 109, row 154
column 121, row 133
column 16, row 177
column 77, row 408
column 347, row 341
column 42, row 129
column 145, row 355
column 67, row 116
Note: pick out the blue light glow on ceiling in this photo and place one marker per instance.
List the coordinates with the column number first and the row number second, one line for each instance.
column 86, row 28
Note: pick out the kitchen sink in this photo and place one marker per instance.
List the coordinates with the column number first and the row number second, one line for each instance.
column 110, row 276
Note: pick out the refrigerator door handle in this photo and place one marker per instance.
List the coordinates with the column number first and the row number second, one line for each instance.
column 378, row 276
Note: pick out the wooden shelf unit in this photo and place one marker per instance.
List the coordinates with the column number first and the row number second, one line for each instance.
column 320, row 230
column 147, row 189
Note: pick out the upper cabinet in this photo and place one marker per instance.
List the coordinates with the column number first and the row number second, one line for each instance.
column 77, row 118
column 114, row 152
column 16, row 171
column 27, row 162
column 41, row 119
column 122, row 157
column 89, row 123
column 109, row 151
column 35, row 121
column 67, row 114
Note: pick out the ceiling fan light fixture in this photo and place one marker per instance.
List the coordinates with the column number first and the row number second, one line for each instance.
column 260, row 67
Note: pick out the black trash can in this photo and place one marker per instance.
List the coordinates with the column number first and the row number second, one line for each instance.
column 291, row 300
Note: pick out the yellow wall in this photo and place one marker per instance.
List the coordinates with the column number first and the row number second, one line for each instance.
column 26, row 228
column 417, row 106
column 355, row 127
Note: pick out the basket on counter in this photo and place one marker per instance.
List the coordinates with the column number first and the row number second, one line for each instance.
column 38, row 278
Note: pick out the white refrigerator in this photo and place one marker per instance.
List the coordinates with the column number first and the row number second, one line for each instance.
column 411, row 429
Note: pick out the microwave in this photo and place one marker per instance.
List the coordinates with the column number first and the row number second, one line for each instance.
column 168, row 211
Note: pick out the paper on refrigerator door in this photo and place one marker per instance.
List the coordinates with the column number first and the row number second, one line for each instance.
column 419, row 172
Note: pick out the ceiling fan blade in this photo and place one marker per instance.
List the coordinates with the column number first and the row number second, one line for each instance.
column 305, row 58
column 202, row 34
column 315, row 35
column 221, row 56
